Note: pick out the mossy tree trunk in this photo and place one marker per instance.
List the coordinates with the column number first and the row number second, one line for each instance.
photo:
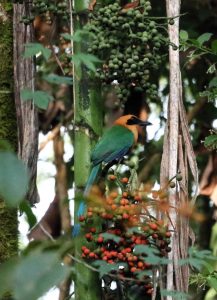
column 88, row 127
column 8, row 126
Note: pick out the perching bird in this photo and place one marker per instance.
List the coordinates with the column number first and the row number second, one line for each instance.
column 110, row 149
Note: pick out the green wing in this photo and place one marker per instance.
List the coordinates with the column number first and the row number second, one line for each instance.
column 114, row 144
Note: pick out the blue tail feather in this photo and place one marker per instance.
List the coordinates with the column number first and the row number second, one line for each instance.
column 76, row 230
column 82, row 207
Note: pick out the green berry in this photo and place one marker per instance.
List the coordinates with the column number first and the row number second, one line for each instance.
column 179, row 177
column 172, row 184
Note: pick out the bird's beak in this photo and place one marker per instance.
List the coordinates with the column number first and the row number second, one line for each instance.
column 144, row 123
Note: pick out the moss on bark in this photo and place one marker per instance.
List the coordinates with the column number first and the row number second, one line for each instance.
column 8, row 127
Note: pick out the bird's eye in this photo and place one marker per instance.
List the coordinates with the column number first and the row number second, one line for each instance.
column 133, row 121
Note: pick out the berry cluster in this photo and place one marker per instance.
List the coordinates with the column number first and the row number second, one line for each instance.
column 47, row 10
column 128, row 42
column 125, row 224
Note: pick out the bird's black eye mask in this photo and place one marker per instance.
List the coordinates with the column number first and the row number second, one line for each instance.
column 136, row 121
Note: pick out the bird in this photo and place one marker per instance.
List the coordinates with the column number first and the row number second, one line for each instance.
column 111, row 148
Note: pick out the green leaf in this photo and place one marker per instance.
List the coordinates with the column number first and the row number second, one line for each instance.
column 105, row 268
column 205, row 37
column 211, row 141
column 13, row 179
column 41, row 99
column 88, row 60
column 67, row 36
column 6, row 273
column 152, row 255
column 36, row 274
column 212, row 281
column 213, row 82
column 183, row 35
column 26, row 94
column 194, row 42
column 214, row 46
column 78, row 35
column 56, row 79
column 110, row 236
column 144, row 249
column 31, row 218
column 175, row 294
column 32, row 49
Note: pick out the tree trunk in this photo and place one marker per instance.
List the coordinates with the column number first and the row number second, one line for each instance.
column 27, row 115
column 173, row 9
column 8, row 127
column 88, row 127
column 178, row 155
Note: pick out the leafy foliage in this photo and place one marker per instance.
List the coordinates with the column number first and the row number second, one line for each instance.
column 78, row 36
column 32, row 49
column 42, row 270
column 174, row 294
column 88, row 60
column 110, row 236
column 104, row 268
column 211, row 142
column 13, row 179
column 40, row 98
column 56, row 79
column 198, row 48
column 198, row 259
column 25, row 208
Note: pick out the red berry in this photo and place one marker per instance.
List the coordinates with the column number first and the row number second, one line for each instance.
column 92, row 255
column 154, row 235
column 168, row 234
column 153, row 226
column 93, row 229
column 100, row 239
column 124, row 180
column 112, row 177
column 140, row 264
column 110, row 261
column 81, row 218
column 86, row 251
column 88, row 236
column 125, row 216
column 133, row 269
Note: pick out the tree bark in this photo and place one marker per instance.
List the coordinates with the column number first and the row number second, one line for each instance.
column 87, row 128
column 173, row 9
column 27, row 115
column 178, row 155
column 169, row 164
